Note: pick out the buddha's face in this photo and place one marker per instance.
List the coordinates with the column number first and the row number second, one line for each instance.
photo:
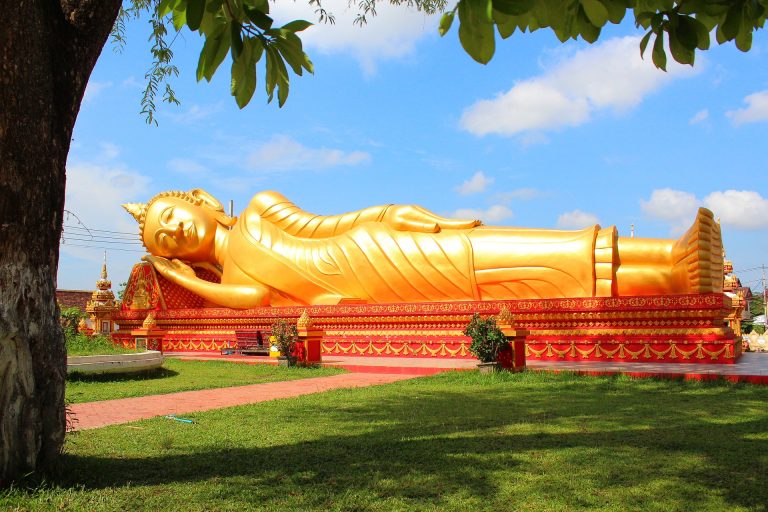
column 175, row 228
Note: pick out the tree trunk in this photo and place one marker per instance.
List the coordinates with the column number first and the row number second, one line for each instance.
column 47, row 51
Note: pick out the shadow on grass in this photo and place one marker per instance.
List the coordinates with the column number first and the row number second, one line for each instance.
column 576, row 441
column 157, row 373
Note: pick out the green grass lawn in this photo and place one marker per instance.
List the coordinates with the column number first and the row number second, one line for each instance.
column 455, row 442
column 176, row 375
column 82, row 345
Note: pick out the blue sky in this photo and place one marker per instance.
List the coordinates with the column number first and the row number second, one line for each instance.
column 547, row 135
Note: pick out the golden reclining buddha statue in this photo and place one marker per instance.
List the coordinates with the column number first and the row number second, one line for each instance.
column 274, row 253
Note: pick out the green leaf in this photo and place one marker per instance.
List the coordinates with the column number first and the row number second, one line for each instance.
column 513, row 7
column 213, row 53
column 680, row 52
column 702, row 34
column 290, row 48
column 644, row 43
column 244, row 76
column 719, row 36
column 179, row 17
column 297, row 25
column 195, row 10
column 237, row 40
column 505, row 24
column 585, row 28
column 616, row 10
column 595, row 11
column 258, row 17
column 166, row 6
column 272, row 73
column 446, row 20
column 659, row 55
column 744, row 39
column 730, row 26
column 213, row 5
column 686, row 32
column 282, row 82
column 643, row 18
column 476, row 29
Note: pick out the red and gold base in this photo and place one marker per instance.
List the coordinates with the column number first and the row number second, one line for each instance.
column 670, row 328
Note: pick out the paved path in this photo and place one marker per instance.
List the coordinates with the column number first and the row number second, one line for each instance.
column 368, row 371
column 111, row 412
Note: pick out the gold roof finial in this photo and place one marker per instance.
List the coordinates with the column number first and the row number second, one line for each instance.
column 304, row 321
column 149, row 321
column 104, row 266
column 505, row 317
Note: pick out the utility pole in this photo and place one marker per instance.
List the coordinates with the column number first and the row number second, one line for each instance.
column 765, row 296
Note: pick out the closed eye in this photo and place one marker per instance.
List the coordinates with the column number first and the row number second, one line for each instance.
column 165, row 217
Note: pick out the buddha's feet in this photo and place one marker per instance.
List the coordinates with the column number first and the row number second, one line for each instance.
column 697, row 256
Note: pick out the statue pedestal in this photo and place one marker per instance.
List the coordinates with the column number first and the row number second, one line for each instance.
column 312, row 339
column 645, row 329
column 148, row 339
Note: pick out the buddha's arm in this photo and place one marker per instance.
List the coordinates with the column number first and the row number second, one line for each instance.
column 277, row 209
column 236, row 296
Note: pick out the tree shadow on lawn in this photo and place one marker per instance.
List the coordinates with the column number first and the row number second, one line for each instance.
column 154, row 374
column 586, row 443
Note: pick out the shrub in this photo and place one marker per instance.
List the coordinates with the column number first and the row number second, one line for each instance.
column 487, row 338
column 70, row 317
column 286, row 336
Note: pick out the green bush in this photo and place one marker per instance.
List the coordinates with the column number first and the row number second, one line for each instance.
column 79, row 344
column 70, row 318
column 286, row 335
column 487, row 338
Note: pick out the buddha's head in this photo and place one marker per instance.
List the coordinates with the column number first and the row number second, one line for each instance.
column 180, row 225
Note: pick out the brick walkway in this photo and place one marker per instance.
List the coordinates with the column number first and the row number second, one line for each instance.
column 369, row 371
column 111, row 412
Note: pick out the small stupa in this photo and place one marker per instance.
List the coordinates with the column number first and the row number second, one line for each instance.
column 102, row 305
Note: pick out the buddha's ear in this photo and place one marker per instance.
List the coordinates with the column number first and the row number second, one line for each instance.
column 207, row 198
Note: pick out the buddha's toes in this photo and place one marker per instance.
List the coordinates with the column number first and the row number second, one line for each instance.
column 698, row 255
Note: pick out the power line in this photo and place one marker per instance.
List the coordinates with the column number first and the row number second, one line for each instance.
column 101, row 247
column 101, row 237
column 747, row 269
column 97, row 240
column 104, row 230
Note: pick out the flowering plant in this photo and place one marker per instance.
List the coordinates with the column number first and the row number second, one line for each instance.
column 286, row 337
column 487, row 338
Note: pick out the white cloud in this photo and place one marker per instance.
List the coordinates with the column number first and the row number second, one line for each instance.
column 109, row 152
column 391, row 34
column 187, row 166
column 93, row 89
column 610, row 76
column 739, row 209
column 115, row 185
column 474, row 185
column 670, row 205
column 701, row 115
column 492, row 215
column 736, row 209
column 82, row 249
column 576, row 219
column 756, row 110
column 283, row 153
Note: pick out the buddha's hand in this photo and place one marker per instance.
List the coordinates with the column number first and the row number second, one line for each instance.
column 416, row 218
column 173, row 270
